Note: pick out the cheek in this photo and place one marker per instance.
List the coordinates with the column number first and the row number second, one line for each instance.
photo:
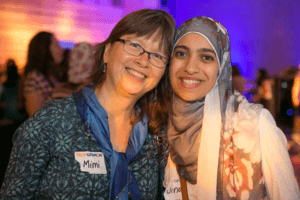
column 120, row 57
column 173, row 72
column 175, row 83
column 157, row 76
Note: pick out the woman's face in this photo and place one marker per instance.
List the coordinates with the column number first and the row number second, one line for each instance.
column 194, row 67
column 56, row 50
column 130, row 75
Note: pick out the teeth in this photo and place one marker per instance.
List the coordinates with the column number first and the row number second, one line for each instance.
column 190, row 82
column 137, row 74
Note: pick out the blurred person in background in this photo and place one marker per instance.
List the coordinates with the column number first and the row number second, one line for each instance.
column 43, row 62
column 76, row 69
column 296, row 102
column 238, row 80
column 294, row 144
column 11, row 94
column 264, row 92
column 1, row 85
column 62, row 69
column 13, row 111
column 1, row 102
column 81, row 62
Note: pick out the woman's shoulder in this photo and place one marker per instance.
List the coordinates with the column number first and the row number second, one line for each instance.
column 245, row 125
column 244, row 109
column 56, row 114
column 35, row 81
column 34, row 74
column 64, row 106
column 54, row 110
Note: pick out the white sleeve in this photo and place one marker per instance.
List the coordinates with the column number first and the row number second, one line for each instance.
column 277, row 168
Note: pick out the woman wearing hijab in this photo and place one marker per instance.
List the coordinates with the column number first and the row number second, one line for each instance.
column 221, row 146
column 99, row 143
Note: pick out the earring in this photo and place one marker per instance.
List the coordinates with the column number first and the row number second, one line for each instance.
column 104, row 69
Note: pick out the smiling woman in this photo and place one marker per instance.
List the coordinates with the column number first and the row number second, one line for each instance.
column 112, row 123
column 221, row 146
column 193, row 54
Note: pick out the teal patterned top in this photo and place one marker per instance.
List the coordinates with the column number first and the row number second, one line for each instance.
column 42, row 163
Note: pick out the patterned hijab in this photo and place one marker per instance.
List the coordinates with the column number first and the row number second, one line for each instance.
column 81, row 63
column 188, row 128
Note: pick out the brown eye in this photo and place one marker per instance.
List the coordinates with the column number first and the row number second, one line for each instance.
column 207, row 58
column 179, row 54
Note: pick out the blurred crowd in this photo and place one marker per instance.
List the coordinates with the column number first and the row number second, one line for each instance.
column 51, row 72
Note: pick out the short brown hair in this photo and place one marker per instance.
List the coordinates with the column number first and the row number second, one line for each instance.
column 144, row 22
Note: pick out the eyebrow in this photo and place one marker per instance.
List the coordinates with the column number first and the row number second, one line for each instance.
column 199, row 50
column 158, row 51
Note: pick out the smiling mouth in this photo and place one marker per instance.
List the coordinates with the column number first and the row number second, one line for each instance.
column 136, row 73
column 190, row 83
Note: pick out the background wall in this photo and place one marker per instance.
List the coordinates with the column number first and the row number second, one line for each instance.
column 71, row 21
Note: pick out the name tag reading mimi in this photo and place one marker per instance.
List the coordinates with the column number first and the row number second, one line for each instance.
column 91, row 162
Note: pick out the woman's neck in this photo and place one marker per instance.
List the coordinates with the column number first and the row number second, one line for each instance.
column 120, row 110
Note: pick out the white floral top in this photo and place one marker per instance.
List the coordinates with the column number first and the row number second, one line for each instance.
column 255, row 142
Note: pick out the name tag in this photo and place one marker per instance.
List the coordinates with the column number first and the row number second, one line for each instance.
column 173, row 190
column 91, row 162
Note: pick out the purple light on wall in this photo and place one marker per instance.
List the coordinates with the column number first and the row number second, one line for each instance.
column 67, row 44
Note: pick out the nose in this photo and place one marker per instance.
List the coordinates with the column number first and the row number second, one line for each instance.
column 192, row 66
column 142, row 60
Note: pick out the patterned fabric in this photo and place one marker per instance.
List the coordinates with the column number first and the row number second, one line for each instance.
column 40, row 83
column 42, row 164
column 241, row 176
column 81, row 63
column 235, row 160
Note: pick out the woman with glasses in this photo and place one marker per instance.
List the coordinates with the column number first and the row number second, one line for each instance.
column 100, row 143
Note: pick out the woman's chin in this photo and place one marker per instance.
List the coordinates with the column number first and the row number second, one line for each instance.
column 132, row 89
column 188, row 96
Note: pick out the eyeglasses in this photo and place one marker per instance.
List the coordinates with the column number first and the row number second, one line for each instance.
column 135, row 49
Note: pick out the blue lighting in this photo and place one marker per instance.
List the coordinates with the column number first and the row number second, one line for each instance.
column 249, row 24
column 66, row 44
column 290, row 112
column 284, row 85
